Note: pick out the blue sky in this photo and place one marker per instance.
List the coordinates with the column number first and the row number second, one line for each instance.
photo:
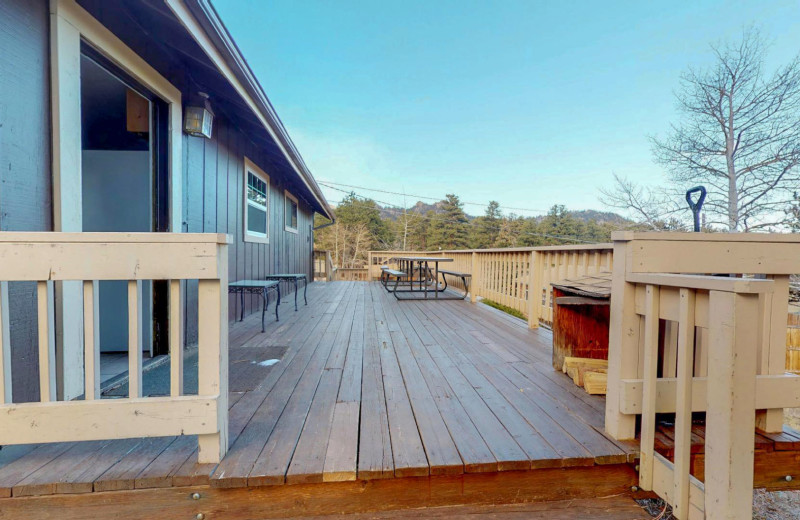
column 528, row 103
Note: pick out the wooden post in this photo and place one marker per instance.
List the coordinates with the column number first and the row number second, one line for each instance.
column 47, row 342
column 623, row 344
column 213, row 357
column 134, row 338
column 5, row 347
column 473, row 289
column 175, row 339
column 683, row 403
column 730, row 420
column 91, row 339
column 535, row 289
column 773, row 346
column 649, row 387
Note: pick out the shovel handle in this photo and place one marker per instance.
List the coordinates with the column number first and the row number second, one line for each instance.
column 696, row 206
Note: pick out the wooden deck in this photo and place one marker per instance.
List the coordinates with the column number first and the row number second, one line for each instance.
column 427, row 403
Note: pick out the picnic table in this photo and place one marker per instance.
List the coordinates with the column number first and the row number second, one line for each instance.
column 427, row 281
column 294, row 278
column 262, row 287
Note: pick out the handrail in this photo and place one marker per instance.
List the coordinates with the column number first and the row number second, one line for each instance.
column 732, row 308
column 79, row 261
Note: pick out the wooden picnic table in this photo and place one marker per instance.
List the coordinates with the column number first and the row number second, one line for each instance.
column 262, row 287
column 425, row 280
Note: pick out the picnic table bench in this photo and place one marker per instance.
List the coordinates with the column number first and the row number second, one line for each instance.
column 464, row 279
column 294, row 278
column 262, row 287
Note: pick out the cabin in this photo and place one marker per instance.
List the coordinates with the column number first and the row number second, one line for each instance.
column 97, row 101
column 144, row 171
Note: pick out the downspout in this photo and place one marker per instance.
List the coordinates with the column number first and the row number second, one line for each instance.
column 323, row 226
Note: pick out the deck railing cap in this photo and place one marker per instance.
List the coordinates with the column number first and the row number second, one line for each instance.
column 628, row 236
column 93, row 237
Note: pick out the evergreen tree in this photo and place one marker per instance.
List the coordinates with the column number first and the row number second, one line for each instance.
column 510, row 232
column 487, row 227
column 450, row 228
column 559, row 223
column 353, row 211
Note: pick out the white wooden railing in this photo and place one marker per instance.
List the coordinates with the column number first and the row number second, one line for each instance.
column 722, row 351
column 518, row 278
column 81, row 260
column 728, row 309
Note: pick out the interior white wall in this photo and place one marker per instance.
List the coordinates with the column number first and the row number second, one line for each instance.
column 118, row 196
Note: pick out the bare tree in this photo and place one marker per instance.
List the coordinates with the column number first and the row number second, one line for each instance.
column 739, row 136
column 656, row 208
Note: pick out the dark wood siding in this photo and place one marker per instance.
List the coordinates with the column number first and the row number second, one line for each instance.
column 25, row 185
column 212, row 179
column 213, row 203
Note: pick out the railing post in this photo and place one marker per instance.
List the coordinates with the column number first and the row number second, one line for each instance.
column 730, row 421
column 683, row 403
column 773, row 346
column 649, row 386
column 623, row 344
column 213, row 355
column 474, row 271
column 534, row 290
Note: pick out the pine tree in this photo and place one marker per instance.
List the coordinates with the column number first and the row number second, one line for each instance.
column 486, row 228
column 510, row 232
column 450, row 228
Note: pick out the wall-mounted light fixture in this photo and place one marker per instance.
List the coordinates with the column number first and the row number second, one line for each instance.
column 198, row 118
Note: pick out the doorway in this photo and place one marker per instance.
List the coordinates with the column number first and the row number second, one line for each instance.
column 124, row 187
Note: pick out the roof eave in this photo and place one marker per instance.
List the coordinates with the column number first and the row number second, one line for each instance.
column 206, row 27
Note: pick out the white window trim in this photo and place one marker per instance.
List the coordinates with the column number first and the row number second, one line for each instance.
column 286, row 226
column 251, row 167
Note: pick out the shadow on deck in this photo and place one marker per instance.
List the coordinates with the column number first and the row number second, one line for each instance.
column 375, row 405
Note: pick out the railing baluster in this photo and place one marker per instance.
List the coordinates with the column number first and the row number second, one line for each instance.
column 134, row 338
column 5, row 347
column 730, row 419
column 47, row 344
column 683, row 403
column 91, row 340
column 175, row 338
column 649, row 387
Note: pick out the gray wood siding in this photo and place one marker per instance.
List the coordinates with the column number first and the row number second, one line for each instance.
column 213, row 203
column 212, row 185
column 25, row 181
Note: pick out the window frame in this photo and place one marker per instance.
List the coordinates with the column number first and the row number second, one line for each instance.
column 252, row 236
column 286, row 226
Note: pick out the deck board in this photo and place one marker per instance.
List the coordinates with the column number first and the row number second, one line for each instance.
column 368, row 388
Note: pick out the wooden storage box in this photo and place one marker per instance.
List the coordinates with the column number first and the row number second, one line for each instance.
column 580, row 318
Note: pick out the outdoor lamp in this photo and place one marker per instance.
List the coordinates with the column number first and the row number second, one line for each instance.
column 198, row 118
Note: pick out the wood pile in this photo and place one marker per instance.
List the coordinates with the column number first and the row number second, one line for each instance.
column 591, row 374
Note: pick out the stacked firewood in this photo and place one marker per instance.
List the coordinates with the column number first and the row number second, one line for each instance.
column 591, row 374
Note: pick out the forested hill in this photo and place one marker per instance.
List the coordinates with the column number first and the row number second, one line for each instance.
column 363, row 225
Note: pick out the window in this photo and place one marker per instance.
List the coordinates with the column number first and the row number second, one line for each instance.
column 290, row 211
column 256, row 203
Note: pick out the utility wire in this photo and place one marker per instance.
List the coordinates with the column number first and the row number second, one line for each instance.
column 471, row 222
column 331, row 185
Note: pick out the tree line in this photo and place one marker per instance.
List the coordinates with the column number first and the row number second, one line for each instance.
column 362, row 225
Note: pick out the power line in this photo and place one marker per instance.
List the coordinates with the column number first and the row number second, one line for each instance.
column 329, row 184
column 440, row 219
